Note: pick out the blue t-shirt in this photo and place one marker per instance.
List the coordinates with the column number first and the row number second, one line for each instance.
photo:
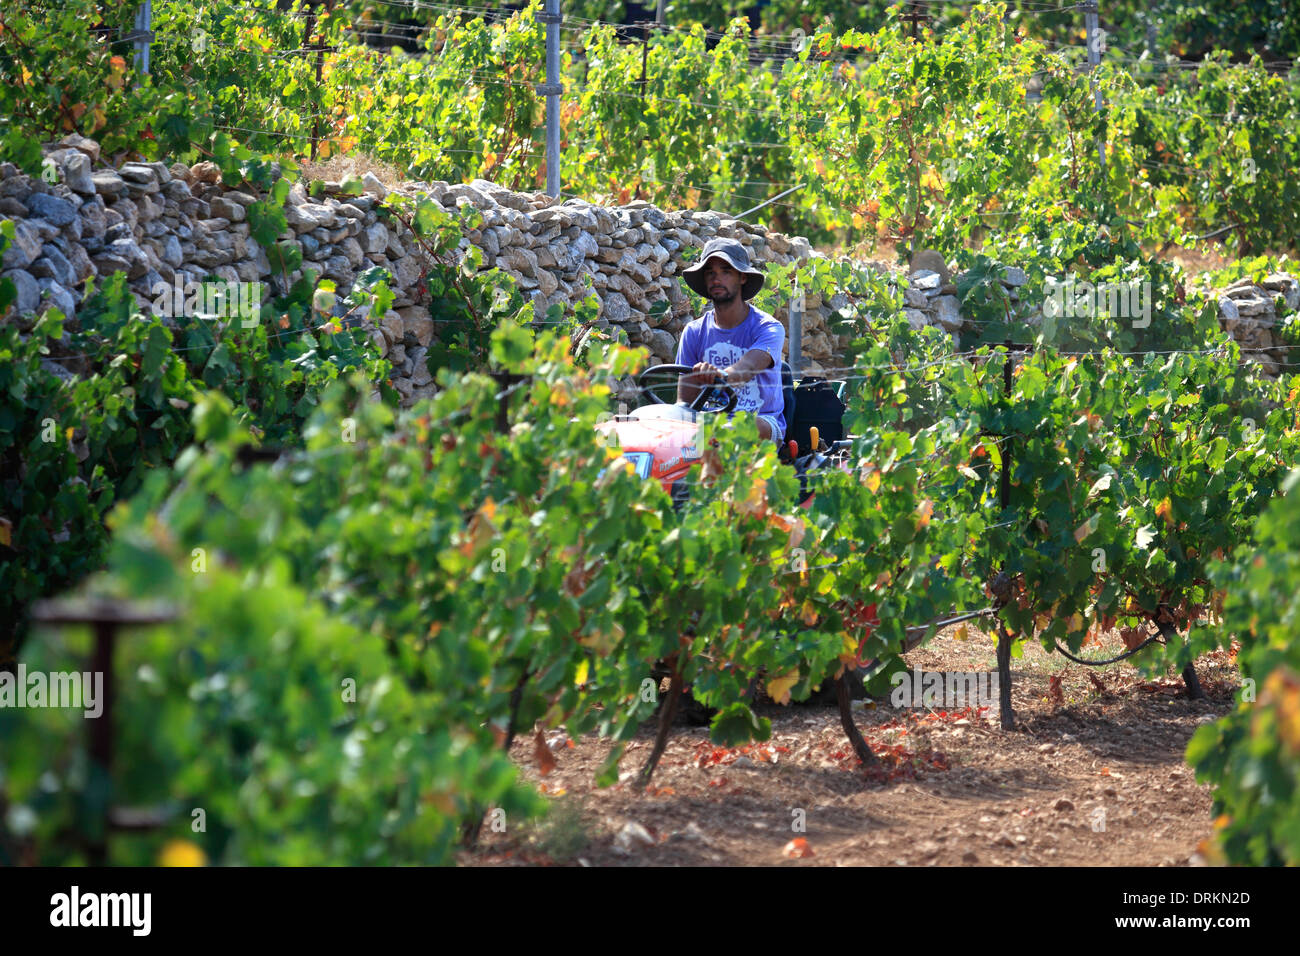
column 703, row 341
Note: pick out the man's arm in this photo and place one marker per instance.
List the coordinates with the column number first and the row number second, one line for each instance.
column 749, row 365
column 766, row 352
column 738, row 373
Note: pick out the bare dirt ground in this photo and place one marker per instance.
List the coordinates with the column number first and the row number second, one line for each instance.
column 1092, row 776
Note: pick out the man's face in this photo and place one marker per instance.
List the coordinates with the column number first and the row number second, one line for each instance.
column 722, row 282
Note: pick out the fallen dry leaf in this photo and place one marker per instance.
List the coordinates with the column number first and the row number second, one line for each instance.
column 797, row 849
column 1054, row 691
column 545, row 759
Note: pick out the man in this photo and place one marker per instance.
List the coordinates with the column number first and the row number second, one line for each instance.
column 733, row 340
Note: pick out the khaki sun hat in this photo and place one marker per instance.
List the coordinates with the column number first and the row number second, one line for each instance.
column 735, row 255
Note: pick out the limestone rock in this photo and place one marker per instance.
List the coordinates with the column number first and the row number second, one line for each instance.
column 662, row 344
column 392, row 326
column 80, row 143
column 24, row 248
column 52, row 209
column 616, row 308
column 108, row 183
column 58, row 296
column 929, row 260
column 915, row 318
column 925, row 279
column 205, row 172
column 1254, row 305
column 374, row 238
column 947, row 312
column 915, row 299
column 223, row 207
column 29, row 291
column 417, row 324
column 77, row 174
column 54, row 265
column 1014, row 277
column 420, row 374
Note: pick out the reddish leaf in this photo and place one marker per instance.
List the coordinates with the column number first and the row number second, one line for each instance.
column 797, row 849
column 1054, row 691
column 1132, row 637
column 545, row 759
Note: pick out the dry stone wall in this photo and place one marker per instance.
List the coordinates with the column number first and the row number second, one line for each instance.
column 1249, row 312
column 170, row 224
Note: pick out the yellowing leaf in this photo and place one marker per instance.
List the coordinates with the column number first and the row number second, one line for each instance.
column 1085, row 529
column 796, row 533
column 1282, row 695
column 961, row 634
column 480, row 533
column 6, row 532
column 603, row 642
column 871, row 478
column 755, row 502
column 442, row 801
column 181, row 853
column 923, row 513
column 580, row 675
column 778, row 688
column 808, row 613
column 1165, row 510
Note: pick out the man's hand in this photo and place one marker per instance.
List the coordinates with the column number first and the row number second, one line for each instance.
column 689, row 385
column 704, row 374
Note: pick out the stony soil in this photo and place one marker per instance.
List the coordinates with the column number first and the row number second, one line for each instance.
column 1095, row 777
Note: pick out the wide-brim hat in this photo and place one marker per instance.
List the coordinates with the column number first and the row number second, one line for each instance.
column 734, row 254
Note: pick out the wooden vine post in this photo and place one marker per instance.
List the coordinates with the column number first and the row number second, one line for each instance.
column 105, row 617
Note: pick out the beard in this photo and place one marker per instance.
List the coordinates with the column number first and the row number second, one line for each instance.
column 722, row 298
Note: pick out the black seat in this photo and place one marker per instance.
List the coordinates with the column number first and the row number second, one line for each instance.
column 787, row 398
